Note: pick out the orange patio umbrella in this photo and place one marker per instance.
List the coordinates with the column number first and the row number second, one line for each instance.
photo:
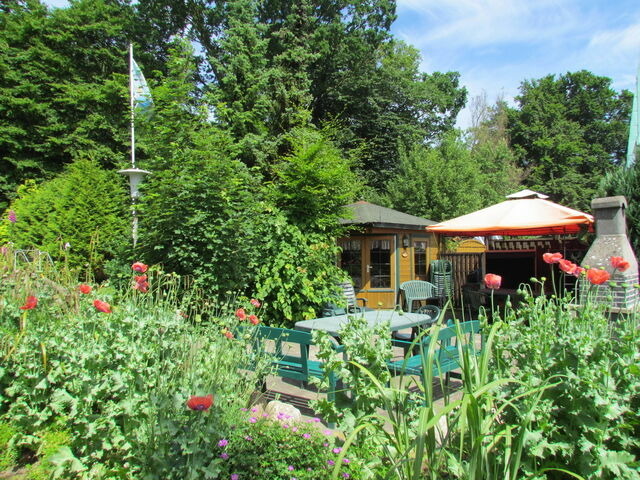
column 526, row 213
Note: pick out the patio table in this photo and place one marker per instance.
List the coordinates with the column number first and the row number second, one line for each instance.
column 399, row 320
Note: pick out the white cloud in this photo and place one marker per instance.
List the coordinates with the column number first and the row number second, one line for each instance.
column 497, row 44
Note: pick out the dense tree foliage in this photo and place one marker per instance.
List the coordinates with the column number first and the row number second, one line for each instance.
column 206, row 214
column 437, row 183
column 62, row 88
column 567, row 132
column 626, row 182
column 80, row 215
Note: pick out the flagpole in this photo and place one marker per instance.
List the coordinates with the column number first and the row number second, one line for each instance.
column 135, row 174
column 132, row 107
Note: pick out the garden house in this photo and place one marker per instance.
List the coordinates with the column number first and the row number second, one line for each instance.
column 384, row 248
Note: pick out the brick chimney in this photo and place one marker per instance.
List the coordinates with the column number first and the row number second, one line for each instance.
column 612, row 241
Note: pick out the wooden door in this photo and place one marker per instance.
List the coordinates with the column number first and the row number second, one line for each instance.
column 371, row 263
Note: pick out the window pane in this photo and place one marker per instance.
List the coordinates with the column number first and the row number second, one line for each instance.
column 380, row 262
column 420, row 259
column 351, row 261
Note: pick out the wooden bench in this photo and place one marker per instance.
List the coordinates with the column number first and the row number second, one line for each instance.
column 452, row 342
column 289, row 350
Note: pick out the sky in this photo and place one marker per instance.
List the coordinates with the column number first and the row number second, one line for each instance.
column 497, row 44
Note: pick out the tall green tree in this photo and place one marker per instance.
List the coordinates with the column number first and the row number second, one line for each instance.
column 275, row 65
column 62, row 87
column 489, row 142
column 437, row 183
column 567, row 132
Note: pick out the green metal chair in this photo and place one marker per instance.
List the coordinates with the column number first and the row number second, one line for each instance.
column 417, row 291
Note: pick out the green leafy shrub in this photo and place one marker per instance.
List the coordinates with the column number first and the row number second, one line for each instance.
column 8, row 452
column 588, row 421
column 260, row 448
column 78, row 217
column 118, row 382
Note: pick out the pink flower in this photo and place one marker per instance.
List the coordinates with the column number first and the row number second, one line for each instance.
column 240, row 313
column 336, row 450
column 234, row 476
column 306, row 435
column 101, row 306
column 567, row 267
column 30, row 303
column 224, row 455
column 254, row 320
column 223, row 442
column 200, row 403
column 139, row 267
column 12, row 216
column 492, row 281
column 84, row 288
column 255, row 303
column 552, row 257
column 253, row 420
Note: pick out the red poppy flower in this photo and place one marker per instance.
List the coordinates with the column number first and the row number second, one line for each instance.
column 597, row 276
column 101, row 306
column 492, row 280
column 578, row 271
column 139, row 267
column 200, row 403
column 227, row 334
column 141, row 283
column 84, row 288
column 30, row 303
column 254, row 320
column 255, row 303
column 620, row 263
column 567, row 267
column 552, row 257
column 240, row 313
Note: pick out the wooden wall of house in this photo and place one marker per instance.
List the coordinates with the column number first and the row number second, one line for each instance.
column 404, row 261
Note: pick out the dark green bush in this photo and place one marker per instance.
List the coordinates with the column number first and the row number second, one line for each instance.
column 79, row 217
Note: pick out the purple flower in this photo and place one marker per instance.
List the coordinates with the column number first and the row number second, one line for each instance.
column 346, row 460
column 285, row 426
column 306, row 435
column 325, row 444
column 331, row 462
column 254, row 409
column 224, row 455
column 12, row 216
column 316, row 419
column 336, row 450
column 253, row 419
column 223, row 442
column 294, row 429
column 290, row 467
column 235, row 476
column 327, row 432
column 248, row 438
column 346, row 475
column 244, row 409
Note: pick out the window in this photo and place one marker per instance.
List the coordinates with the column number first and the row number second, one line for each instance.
column 420, row 259
column 380, row 263
column 351, row 261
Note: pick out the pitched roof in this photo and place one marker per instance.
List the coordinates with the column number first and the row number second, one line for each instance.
column 365, row 213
